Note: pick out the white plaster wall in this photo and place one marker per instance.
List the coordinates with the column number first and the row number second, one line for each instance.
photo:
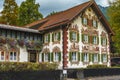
column 80, row 26
column 23, row 57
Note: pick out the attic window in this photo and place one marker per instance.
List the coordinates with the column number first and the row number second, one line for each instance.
column 94, row 22
column 84, row 21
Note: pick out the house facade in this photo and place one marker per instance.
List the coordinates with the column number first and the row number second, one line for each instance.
column 74, row 38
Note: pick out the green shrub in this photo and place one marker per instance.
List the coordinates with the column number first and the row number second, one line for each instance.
column 97, row 66
column 26, row 66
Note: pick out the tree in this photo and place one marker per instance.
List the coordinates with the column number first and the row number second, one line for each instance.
column 52, row 13
column 114, row 19
column 9, row 12
column 28, row 12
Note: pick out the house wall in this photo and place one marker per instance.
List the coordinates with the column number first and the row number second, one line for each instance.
column 77, row 22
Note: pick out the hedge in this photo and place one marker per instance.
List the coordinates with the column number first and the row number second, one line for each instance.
column 26, row 66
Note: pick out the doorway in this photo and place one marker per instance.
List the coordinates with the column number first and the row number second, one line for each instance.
column 33, row 57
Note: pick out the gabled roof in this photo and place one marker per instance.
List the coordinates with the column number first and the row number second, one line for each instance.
column 65, row 17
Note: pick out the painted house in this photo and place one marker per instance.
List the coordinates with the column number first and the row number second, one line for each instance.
column 74, row 38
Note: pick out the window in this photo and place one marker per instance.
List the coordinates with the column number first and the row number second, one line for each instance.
column 74, row 56
column 104, row 58
column 94, row 39
column 2, row 56
column 94, row 23
column 85, row 57
column 56, row 56
column 84, row 21
column 13, row 56
column 85, row 38
column 104, row 41
column 46, row 57
column 56, row 35
column 73, row 36
column 47, row 38
column 95, row 57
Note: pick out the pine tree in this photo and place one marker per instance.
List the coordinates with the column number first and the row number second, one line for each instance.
column 114, row 20
column 29, row 12
column 9, row 12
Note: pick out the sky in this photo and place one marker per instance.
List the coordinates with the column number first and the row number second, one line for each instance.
column 48, row 6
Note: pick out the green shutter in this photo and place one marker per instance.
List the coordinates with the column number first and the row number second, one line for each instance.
column 52, row 57
column 106, row 41
column 90, row 58
column 48, row 57
column 98, row 57
column 101, row 57
column 82, row 54
column 78, row 56
column 70, row 56
column 48, row 37
column 52, row 37
column 82, row 37
column 101, row 41
column 59, row 56
column 78, row 37
column 96, row 24
column 97, row 40
column 89, row 39
column 42, row 57
column 59, row 36
column 70, row 36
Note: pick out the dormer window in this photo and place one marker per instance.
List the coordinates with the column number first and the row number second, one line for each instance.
column 84, row 21
column 94, row 22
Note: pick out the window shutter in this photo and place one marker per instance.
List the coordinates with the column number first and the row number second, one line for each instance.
column 96, row 24
column 106, row 41
column 98, row 57
column 82, row 37
column 70, row 56
column 102, row 57
column 42, row 57
column 78, row 56
column 82, row 54
column 70, row 36
column 59, row 36
column 92, row 57
column 48, row 57
column 97, row 40
column 101, row 41
column 52, row 37
column 59, row 56
column 78, row 37
column 89, row 39
column 48, row 37
column 52, row 57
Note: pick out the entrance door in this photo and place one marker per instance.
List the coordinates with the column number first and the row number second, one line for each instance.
column 33, row 57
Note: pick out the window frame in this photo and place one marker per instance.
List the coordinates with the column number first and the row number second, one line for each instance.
column 95, row 57
column 74, row 56
column 95, row 40
column 14, row 59
column 2, row 56
column 85, row 57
